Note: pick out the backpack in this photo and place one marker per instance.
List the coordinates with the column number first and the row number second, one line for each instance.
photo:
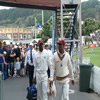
column 32, row 92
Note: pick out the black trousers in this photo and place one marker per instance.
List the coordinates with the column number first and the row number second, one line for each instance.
column 31, row 72
column 48, row 72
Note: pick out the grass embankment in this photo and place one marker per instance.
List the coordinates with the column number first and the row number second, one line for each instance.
column 94, row 55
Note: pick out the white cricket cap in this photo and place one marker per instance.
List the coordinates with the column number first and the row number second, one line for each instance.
column 31, row 44
column 5, row 52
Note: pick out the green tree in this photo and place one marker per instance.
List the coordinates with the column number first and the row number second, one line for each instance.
column 87, row 39
column 89, row 26
column 89, row 9
column 22, row 17
column 46, row 32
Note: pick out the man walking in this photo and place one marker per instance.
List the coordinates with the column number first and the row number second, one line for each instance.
column 41, row 63
column 62, row 66
column 29, row 62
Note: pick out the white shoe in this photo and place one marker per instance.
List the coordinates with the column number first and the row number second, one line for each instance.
column 14, row 75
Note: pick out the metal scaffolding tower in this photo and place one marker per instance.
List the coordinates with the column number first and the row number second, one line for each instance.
column 63, row 9
column 69, row 9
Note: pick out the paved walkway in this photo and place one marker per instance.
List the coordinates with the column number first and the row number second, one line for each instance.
column 15, row 89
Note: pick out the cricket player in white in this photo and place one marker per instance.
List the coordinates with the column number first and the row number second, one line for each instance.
column 62, row 66
column 41, row 64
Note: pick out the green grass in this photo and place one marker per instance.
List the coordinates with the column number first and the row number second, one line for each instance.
column 94, row 56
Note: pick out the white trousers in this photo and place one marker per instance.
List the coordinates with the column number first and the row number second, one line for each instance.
column 42, row 83
column 42, row 91
column 62, row 91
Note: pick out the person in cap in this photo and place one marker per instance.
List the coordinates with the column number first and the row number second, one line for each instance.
column 42, row 61
column 61, row 64
column 29, row 62
column 50, row 56
column 1, row 56
column 17, row 51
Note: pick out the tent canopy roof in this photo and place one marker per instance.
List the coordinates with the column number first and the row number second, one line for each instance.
column 35, row 4
column 38, row 4
column 2, row 37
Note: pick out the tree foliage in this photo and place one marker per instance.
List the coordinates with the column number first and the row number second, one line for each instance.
column 87, row 39
column 46, row 32
column 22, row 17
column 66, row 26
column 89, row 26
column 89, row 9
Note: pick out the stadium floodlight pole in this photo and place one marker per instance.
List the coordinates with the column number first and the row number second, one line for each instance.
column 42, row 17
column 53, row 34
column 35, row 27
column 80, row 31
column 61, row 19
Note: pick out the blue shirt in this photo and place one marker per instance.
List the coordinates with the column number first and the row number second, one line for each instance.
column 28, row 49
column 50, row 47
column 18, row 65
column 1, row 58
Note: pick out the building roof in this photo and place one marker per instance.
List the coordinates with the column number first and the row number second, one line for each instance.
column 38, row 4
column 24, row 41
column 3, row 37
column 34, row 41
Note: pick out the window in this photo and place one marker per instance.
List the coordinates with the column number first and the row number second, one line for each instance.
column 20, row 36
column 29, row 36
column 25, row 36
column 15, row 36
column 9, row 36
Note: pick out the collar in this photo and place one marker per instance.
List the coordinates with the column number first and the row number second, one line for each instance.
column 61, row 54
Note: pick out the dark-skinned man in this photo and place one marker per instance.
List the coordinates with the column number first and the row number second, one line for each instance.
column 61, row 65
column 42, row 61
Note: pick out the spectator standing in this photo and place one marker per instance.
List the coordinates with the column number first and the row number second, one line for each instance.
column 17, row 51
column 29, row 61
column 22, row 63
column 1, row 59
column 11, row 57
column 50, row 46
column 24, row 55
column 1, row 54
column 18, row 66
column 27, row 47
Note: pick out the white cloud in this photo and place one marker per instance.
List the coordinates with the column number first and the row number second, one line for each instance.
column 83, row 0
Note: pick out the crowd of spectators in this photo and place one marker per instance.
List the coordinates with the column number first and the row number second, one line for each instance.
column 12, row 59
